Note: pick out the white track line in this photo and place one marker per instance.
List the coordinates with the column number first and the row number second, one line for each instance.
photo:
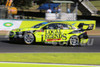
column 50, row 64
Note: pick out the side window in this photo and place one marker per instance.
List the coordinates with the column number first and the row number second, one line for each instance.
column 50, row 26
column 69, row 26
column 62, row 26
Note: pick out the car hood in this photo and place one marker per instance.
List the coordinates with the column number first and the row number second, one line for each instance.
column 24, row 29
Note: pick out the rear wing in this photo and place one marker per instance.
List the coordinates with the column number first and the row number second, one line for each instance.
column 85, row 25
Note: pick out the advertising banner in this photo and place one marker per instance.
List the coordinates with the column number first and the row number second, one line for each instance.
column 13, row 24
column 9, row 24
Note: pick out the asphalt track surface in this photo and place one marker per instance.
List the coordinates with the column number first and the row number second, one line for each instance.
column 7, row 47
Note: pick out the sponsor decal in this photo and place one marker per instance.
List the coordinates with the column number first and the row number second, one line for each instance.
column 73, row 23
column 55, row 35
column 53, row 39
column 8, row 24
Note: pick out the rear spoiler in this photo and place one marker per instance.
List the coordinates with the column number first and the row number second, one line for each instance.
column 85, row 25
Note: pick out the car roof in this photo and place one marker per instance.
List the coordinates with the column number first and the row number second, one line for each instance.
column 60, row 22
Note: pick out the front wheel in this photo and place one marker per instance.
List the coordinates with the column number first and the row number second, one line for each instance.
column 74, row 41
column 11, row 40
column 29, row 38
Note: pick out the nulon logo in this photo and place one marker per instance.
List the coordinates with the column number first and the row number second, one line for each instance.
column 89, row 43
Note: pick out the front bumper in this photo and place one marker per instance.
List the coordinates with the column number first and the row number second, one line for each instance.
column 16, row 35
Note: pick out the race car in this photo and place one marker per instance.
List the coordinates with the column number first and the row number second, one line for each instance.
column 50, row 32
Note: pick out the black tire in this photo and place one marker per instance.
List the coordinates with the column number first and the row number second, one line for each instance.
column 29, row 38
column 11, row 40
column 74, row 41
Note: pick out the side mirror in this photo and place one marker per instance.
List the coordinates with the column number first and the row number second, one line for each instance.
column 44, row 28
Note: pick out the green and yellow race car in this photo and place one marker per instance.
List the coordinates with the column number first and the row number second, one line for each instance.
column 53, row 32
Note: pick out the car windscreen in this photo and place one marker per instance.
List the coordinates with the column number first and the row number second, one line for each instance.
column 39, row 25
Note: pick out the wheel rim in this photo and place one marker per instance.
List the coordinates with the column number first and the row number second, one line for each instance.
column 74, row 41
column 28, row 38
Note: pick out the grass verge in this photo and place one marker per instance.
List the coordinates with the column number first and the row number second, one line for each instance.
column 62, row 58
column 38, row 65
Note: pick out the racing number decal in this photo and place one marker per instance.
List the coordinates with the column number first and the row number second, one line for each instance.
column 55, row 35
column 91, row 26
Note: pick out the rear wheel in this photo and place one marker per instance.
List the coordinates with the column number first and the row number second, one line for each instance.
column 29, row 38
column 74, row 41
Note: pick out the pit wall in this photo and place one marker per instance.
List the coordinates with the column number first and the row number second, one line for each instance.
column 13, row 24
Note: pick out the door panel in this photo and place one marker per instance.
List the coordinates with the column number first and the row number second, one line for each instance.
column 53, row 35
